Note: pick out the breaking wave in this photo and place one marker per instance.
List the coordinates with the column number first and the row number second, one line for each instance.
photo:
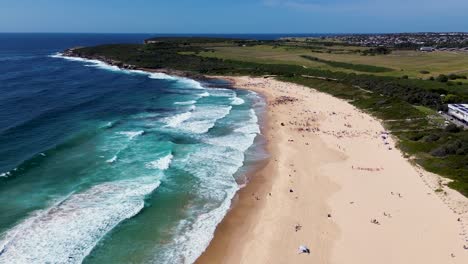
column 199, row 121
column 161, row 164
column 237, row 101
column 70, row 229
column 152, row 75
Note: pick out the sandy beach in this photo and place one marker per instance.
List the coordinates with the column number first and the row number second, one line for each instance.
column 336, row 183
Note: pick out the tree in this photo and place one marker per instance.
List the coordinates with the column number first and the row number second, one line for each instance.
column 452, row 128
column 451, row 99
column 442, row 78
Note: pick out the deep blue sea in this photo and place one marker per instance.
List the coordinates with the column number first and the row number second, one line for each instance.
column 102, row 165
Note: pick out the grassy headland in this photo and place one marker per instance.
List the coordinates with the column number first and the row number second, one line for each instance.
column 394, row 86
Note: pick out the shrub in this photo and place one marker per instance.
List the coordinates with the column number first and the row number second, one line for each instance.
column 452, row 128
column 452, row 76
column 416, row 137
column 439, row 152
column 450, row 99
column 431, row 138
column 424, row 72
column 442, row 78
column 456, row 76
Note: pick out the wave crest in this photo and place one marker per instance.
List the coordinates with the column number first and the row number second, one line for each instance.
column 70, row 229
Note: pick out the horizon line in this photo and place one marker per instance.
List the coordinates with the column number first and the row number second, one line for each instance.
column 257, row 33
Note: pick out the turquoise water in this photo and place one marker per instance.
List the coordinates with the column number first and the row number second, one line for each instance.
column 101, row 165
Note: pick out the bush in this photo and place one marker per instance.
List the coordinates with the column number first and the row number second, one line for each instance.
column 439, row 152
column 450, row 99
column 452, row 128
column 442, row 78
column 416, row 137
column 457, row 147
column 404, row 77
column 431, row 138
column 424, row 72
column 452, row 76
column 456, row 76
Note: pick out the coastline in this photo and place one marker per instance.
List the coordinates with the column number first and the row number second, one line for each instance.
column 343, row 176
column 259, row 228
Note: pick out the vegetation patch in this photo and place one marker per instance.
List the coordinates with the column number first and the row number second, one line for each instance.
column 350, row 66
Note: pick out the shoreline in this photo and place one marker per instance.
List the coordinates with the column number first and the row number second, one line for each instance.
column 255, row 231
column 354, row 179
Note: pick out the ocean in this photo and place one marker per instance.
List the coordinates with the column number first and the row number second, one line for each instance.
column 103, row 165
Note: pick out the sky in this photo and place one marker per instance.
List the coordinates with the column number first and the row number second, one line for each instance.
column 233, row 16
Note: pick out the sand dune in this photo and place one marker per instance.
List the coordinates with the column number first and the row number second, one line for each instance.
column 338, row 185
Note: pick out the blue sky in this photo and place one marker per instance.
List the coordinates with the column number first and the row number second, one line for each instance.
column 233, row 16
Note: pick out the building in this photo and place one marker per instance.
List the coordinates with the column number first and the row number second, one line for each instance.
column 150, row 41
column 427, row 49
column 459, row 111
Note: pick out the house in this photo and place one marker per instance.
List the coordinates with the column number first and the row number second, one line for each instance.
column 459, row 111
column 427, row 49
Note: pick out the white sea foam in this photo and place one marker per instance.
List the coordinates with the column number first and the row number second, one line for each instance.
column 69, row 230
column 250, row 127
column 186, row 102
column 242, row 137
column 222, row 92
column 237, row 141
column 112, row 160
column 237, row 101
column 132, row 134
column 184, row 82
column 102, row 65
column 176, row 120
column 160, row 76
column 6, row 175
column 204, row 94
column 213, row 166
column 161, row 164
column 109, row 124
column 190, row 83
column 202, row 119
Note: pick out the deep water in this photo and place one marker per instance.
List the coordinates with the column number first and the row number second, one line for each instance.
column 100, row 165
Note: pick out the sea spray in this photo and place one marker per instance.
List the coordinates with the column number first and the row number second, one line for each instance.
column 161, row 164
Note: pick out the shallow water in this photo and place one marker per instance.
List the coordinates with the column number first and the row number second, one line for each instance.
column 101, row 165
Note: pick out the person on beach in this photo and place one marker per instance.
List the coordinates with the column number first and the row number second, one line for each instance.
column 304, row 249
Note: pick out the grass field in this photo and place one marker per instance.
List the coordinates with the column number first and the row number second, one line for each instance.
column 409, row 63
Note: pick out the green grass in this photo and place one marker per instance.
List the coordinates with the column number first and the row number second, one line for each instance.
column 409, row 63
column 349, row 66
